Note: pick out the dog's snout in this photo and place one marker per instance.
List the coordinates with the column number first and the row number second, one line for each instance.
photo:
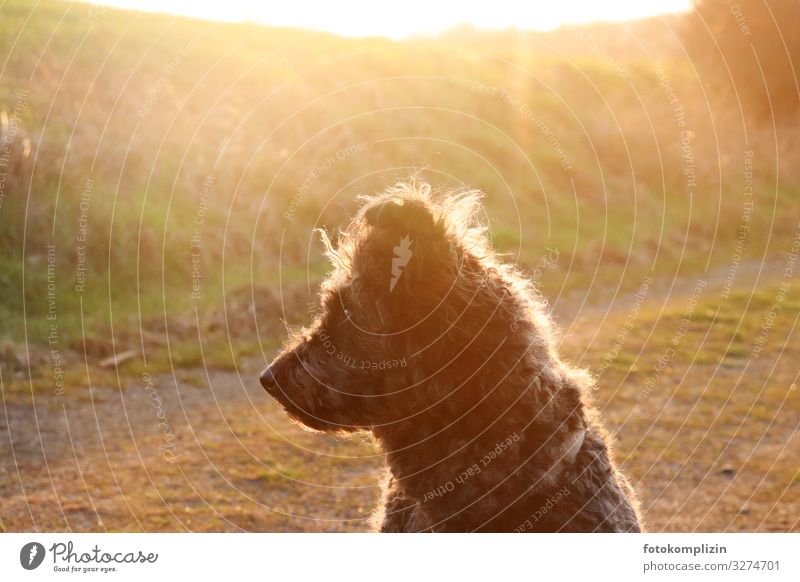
column 268, row 378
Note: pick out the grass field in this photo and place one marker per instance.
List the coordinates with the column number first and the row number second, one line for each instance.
column 711, row 442
column 162, row 178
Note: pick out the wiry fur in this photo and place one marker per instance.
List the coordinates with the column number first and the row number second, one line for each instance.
column 483, row 425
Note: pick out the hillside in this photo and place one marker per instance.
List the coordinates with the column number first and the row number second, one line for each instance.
column 160, row 182
column 136, row 126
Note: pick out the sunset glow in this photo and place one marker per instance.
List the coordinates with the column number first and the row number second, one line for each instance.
column 411, row 18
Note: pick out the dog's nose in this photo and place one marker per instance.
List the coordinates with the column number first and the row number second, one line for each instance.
column 267, row 378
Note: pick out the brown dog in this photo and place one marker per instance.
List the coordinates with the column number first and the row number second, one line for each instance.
column 448, row 356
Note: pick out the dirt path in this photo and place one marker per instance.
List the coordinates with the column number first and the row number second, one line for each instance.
column 712, row 446
column 161, row 455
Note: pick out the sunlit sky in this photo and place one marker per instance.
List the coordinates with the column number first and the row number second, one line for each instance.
column 406, row 18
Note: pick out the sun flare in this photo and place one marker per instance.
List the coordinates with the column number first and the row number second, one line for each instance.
column 413, row 18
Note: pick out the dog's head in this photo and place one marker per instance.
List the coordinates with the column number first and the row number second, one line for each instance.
column 406, row 299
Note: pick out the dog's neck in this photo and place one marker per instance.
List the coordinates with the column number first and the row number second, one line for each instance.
column 447, row 459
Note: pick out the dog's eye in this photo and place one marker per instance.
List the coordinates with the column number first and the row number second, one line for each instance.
column 347, row 313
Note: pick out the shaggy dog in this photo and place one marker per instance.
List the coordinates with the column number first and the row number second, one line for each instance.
column 448, row 356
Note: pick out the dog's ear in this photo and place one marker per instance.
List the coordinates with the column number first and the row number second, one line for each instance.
column 402, row 214
column 408, row 261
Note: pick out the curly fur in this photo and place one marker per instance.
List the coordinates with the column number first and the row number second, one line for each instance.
column 455, row 372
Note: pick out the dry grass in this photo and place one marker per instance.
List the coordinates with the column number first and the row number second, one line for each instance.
column 142, row 110
column 150, row 107
column 712, row 447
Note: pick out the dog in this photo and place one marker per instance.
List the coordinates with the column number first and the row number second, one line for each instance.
column 447, row 355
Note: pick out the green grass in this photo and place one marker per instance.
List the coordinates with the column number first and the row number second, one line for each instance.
column 284, row 101
column 244, row 461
